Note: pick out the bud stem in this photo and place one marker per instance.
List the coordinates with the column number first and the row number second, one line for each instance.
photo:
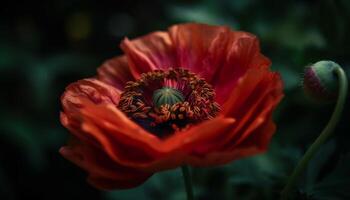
column 326, row 133
column 188, row 182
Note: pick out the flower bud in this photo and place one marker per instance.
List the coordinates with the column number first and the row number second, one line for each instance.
column 320, row 81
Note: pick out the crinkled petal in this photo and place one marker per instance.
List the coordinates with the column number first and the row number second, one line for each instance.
column 200, row 48
column 254, row 98
column 95, row 119
column 257, row 93
column 243, row 53
column 149, row 153
column 151, row 52
column 96, row 91
column 115, row 71
column 218, row 54
column 103, row 172
column 251, row 105
column 257, row 143
column 177, row 149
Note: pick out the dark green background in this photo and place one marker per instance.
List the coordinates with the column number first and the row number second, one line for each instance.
column 45, row 45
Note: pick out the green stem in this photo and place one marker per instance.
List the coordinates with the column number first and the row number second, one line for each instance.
column 188, row 182
column 327, row 131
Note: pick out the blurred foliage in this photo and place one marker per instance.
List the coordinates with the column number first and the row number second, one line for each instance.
column 44, row 46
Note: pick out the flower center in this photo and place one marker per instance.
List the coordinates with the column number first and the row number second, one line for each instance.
column 164, row 102
column 167, row 96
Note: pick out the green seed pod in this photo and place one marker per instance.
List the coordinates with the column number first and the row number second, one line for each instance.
column 321, row 82
column 167, row 95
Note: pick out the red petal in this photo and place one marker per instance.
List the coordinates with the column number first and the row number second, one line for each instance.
column 251, row 104
column 150, row 52
column 254, row 98
column 200, row 48
column 103, row 172
column 216, row 51
column 243, row 53
column 178, row 148
column 116, row 137
column 94, row 90
column 258, row 136
column 148, row 154
column 254, row 85
column 92, row 117
column 257, row 143
column 115, row 72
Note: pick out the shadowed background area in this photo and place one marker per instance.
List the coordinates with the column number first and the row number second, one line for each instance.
column 46, row 45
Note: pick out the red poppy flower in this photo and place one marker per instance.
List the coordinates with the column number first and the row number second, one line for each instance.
column 197, row 94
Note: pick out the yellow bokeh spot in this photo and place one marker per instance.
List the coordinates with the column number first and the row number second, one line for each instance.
column 78, row 26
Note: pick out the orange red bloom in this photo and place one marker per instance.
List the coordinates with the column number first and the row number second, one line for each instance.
column 196, row 94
